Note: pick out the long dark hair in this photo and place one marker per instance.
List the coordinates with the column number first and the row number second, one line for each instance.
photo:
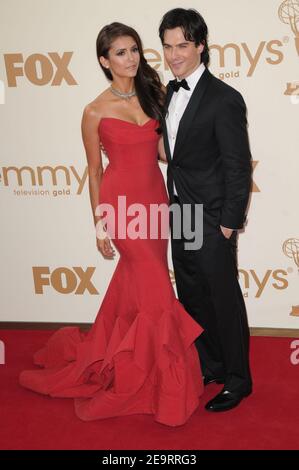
column 193, row 26
column 148, row 85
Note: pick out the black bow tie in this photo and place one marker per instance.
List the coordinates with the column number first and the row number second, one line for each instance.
column 176, row 85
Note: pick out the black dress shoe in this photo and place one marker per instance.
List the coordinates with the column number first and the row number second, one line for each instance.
column 225, row 401
column 207, row 379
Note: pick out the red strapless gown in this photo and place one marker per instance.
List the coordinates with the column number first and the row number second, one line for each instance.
column 139, row 355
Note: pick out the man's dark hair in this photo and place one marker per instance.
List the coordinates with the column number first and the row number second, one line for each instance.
column 193, row 26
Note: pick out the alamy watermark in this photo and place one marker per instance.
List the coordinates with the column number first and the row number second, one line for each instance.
column 294, row 358
column 151, row 222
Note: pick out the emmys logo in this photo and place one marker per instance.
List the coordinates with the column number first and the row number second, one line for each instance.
column 39, row 69
column 12, row 175
column 291, row 249
column 36, row 177
column 234, row 54
column 250, row 279
column 253, row 281
column 288, row 13
column 64, row 280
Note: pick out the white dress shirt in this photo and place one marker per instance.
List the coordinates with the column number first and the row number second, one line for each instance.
column 177, row 106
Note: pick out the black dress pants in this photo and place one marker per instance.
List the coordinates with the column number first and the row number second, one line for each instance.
column 208, row 287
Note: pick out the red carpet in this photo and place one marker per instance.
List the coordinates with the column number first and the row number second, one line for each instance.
column 268, row 419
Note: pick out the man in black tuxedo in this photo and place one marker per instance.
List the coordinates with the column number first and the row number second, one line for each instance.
column 209, row 163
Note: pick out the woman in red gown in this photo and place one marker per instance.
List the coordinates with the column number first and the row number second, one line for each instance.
column 139, row 356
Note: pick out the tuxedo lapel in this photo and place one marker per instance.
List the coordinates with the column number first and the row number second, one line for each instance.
column 169, row 94
column 190, row 111
column 165, row 133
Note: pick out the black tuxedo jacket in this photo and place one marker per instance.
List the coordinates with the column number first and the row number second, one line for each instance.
column 211, row 163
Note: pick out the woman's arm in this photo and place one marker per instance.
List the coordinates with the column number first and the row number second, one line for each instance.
column 161, row 150
column 91, row 141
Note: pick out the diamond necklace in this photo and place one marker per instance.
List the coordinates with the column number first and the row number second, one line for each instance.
column 120, row 94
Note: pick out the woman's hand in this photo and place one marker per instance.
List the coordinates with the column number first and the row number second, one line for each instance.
column 104, row 245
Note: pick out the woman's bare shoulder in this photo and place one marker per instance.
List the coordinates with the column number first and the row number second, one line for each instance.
column 97, row 108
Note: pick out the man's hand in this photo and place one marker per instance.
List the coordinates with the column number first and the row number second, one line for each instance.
column 227, row 232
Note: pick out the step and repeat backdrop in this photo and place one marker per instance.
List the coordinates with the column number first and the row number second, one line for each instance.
column 51, row 270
